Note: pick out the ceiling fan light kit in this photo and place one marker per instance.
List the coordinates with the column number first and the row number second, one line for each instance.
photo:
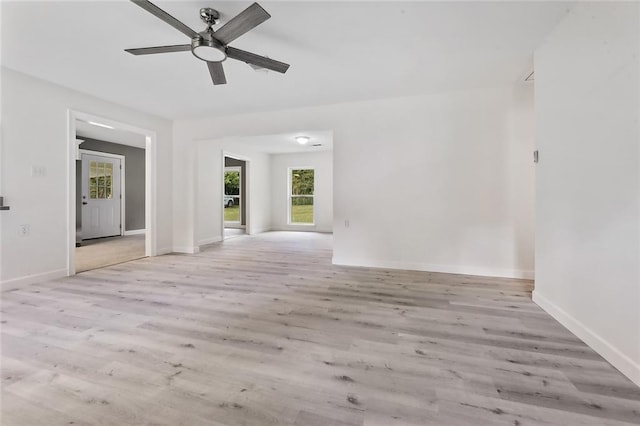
column 208, row 49
column 212, row 46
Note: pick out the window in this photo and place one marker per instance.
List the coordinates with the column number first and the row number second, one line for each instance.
column 100, row 180
column 301, row 187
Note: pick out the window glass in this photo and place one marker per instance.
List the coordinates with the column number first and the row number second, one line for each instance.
column 302, row 196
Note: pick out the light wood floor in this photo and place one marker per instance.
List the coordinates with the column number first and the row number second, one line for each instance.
column 265, row 331
column 101, row 252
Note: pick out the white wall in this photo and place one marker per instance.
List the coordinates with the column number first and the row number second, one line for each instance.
column 322, row 163
column 439, row 183
column 34, row 130
column 460, row 162
column 587, row 216
column 209, row 189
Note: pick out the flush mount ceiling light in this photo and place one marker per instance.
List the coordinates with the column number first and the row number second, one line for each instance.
column 302, row 140
column 100, row 125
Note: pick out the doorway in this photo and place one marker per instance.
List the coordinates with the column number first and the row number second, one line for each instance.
column 234, row 201
column 110, row 204
column 111, row 214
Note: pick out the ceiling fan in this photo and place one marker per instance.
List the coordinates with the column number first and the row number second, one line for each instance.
column 213, row 46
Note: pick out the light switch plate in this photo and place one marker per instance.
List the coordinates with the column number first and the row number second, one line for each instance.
column 38, row 171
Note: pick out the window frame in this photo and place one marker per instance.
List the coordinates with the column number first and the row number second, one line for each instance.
column 290, row 196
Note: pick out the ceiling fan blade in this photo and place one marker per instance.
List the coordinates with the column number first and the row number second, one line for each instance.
column 217, row 73
column 260, row 61
column 159, row 13
column 249, row 18
column 159, row 49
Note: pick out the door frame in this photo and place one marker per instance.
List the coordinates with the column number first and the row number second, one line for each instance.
column 122, row 181
column 150, row 181
column 247, row 180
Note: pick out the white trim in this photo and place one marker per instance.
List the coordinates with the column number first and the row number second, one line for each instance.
column 260, row 230
column 79, row 142
column 303, row 228
column 123, row 186
column 234, row 225
column 20, row 282
column 163, row 251
column 426, row 267
column 211, row 240
column 622, row 362
column 150, row 182
column 151, row 173
column 135, row 232
column 102, row 154
column 185, row 249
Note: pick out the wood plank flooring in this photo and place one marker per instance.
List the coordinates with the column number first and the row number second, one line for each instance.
column 263, row 330
column 101, row 252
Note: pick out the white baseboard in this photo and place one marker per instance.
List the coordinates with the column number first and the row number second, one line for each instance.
column 619, row 360
column 255, row 231
column 303, row 228
column 211, row 240
column 188, row 250
column 20, row 282
column 447, row 269
column 165, row 250
column 135, row 232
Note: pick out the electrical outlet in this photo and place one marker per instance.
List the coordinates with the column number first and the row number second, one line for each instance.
column 24, row 230
column 346, row 223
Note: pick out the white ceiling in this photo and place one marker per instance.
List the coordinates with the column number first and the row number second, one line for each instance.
column 286, row 143
column 84, row 130
column 338, row 51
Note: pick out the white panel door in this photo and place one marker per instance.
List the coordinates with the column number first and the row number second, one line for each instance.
column 101, row 197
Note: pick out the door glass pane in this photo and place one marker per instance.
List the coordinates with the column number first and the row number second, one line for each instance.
column 93, row 180
column 108, row 180
column 100, row 180
column 302, row 210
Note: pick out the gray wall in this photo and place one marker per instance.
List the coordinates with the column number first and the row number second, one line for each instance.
column 232, row 162
column 134, row 173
